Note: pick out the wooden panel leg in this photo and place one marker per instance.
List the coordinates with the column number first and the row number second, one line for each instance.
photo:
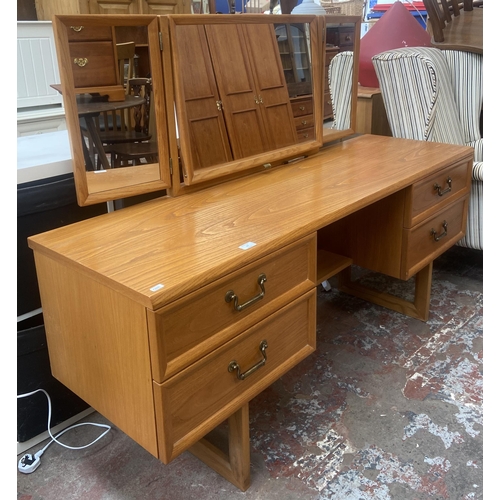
column 418, row 309
column 235, row 467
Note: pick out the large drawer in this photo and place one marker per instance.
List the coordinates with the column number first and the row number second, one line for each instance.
column 429, row 239
column 94, row 64
column 436, row 191
column 186, row 330
column 199, row 398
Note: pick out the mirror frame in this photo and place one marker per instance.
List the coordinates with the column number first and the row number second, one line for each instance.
column 124, row 182
column 330, row 135
column 255, row 163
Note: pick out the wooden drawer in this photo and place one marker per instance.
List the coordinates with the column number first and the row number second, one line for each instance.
column 436, row 191
column 302, row 122
column 346, row 37
column 184, row 331
column 202, row 396
column 99, row 67
column 305, row 134
column 422, row 246
column 302, row 106
column 87, row 33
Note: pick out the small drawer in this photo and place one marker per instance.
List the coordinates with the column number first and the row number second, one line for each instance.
column 429, row 239
column 302, row 122
column 346, row 37
column 199, row 398
column 305, row 134
column 94, row 64
column 82, row 33
column 302, row 107
column 187, row 329
column 436, row 191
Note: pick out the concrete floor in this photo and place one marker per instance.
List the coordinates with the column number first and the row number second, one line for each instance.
column 388, row 407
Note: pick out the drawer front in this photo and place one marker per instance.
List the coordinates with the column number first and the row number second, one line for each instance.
column 93, row 64
column 305, row 134
column 432, row 237
column 346, row 37
column 302, row 122
column 82, row 33
column 199, row 398
column 436, row 191
column 193, row 326
column 302, row 107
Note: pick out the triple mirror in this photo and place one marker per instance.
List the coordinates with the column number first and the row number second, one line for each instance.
column 176, row 103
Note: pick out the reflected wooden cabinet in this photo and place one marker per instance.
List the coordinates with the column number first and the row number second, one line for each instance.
column 45, row 9
column 230, row 76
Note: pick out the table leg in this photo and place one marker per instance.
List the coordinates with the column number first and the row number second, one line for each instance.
column 418, row 308
column 94, row 135
column 234, row 466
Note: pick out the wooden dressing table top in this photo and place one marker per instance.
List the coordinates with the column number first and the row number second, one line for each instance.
column 160, row 250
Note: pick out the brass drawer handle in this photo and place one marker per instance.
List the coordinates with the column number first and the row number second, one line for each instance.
column 440, row 189
column 242, row 376
column 444, row 233
column 302, row 108
column 76, row 28
column 230, row 295
column 304, row 122
column 80, row 61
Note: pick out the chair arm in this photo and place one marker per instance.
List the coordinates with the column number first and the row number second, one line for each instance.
column 477, row 171
column 478, row 149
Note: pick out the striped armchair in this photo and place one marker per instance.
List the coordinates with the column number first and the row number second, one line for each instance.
column 437, row 95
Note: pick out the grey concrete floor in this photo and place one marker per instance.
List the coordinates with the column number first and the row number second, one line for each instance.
column 388, row 407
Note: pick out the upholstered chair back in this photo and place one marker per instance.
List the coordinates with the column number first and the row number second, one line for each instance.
column 340, row 84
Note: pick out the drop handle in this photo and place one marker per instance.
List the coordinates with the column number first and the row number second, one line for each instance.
column 231, row 296
column 242, row 376
column 444, row 233
column 440, row 190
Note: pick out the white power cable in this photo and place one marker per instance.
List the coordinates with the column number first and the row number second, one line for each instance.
column 30, row 462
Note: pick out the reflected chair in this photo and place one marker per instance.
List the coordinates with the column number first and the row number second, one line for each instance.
column 125, row 53
column 440, row 13
column 134, row 144
column 437, row 95
column 340, row 83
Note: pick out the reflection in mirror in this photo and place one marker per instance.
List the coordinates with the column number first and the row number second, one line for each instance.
column 243, row 92
column 339, row 68
column 340, row 82
column 109, row 91
column 119, row 129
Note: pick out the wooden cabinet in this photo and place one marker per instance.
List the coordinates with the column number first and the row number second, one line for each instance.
column 92, row 51
column 231, row 75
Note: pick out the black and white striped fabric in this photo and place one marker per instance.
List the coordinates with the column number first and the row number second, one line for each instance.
column 340, row 84
column 437, row 95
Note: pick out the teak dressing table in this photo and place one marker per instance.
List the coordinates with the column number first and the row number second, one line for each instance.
column 169, row 316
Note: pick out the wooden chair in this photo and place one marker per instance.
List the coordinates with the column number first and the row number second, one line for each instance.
column 136, row 119
column 134, row 143
column 439, row 13
column 125, row 53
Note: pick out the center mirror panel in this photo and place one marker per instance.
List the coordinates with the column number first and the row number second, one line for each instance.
column 235, row 80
